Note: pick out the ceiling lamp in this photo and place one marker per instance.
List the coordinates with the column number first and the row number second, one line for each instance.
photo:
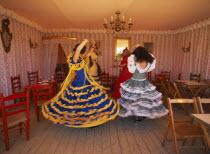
column 118, row 25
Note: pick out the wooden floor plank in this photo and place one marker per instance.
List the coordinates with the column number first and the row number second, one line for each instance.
column 64, row 140
column 89, row 142
column 119, row 136
column 140, row 141
column 54, row 142
column 105, row 138
column 82, row 136
column 125, row 148
column 115, row 144
column 72, row 141
column 97, row 144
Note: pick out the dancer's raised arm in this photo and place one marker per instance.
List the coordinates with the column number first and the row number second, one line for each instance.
column 92, row 47
column 79, row 48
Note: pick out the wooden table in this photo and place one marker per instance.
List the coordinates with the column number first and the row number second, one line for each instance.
column 204, row 120
column 194, row 87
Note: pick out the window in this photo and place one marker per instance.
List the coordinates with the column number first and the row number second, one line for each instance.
column 120, row 45
column 148, row 46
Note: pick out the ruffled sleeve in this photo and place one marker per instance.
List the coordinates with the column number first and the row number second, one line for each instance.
column 152, row 66
column 75, row 66
column 131, row 64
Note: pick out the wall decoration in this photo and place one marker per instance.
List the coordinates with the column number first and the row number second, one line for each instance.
column 187, row 49
column 6, row 36
column 33, row 45
column 148, row 46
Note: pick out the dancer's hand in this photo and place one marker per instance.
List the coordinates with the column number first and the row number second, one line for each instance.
column 92, row 42
column 86, row 40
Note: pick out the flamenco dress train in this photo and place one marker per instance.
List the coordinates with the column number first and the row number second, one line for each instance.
column 82, row 103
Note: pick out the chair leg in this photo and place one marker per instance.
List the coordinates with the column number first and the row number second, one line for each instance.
column 20, row 127
column 6, row 139
column 175, row 142
column 165, row 136
column 27, row 129
column 206, row 144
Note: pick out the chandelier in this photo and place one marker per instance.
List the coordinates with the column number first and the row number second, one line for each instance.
column 118, row 25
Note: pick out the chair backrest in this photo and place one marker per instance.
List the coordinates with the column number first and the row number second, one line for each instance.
column 180, row 101
column 202, row 101
column 104, row 77
column 167, row 74
column 179, row 76
column 9, row 110
column 33, row 77
column 149, row 76
column 16, row 84
column 42, row 92
column 195, row 77
column 158, row 77
column 60, row 76
column 164, row 86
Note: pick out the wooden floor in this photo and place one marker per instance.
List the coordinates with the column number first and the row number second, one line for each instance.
column 119, row 136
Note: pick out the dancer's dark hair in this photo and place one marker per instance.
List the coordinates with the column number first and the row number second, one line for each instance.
column 142, row 54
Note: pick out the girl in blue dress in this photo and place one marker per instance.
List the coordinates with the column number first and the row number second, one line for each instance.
column 83, row 102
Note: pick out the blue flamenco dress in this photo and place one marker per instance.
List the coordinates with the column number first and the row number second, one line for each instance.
column 81, row 103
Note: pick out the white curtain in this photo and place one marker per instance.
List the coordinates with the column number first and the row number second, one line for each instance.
column 21, row 58
column 49, row 58
column 197, row 60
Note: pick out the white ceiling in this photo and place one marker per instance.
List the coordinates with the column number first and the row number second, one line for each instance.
column 90, row 14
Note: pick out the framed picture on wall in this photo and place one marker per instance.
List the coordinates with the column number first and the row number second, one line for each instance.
column 149, row 46
column 98, row 47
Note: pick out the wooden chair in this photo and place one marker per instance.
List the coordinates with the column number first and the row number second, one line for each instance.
column 180, row 94
column 171, row 89
column 201, row 102
column 15, row 115
column 16, row 86
column 113, row 80
column 158, row 78
column 41, row 93
column 149, row 76
column 179, row 76
column 33, row 77
column 195, row 77
column 105, row 79
column 164, row 86
column 167, row 74
column 184, row 128
column 59, row 76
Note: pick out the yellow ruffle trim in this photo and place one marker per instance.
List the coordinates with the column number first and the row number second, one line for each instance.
column 80, row 106
column 87, row 121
